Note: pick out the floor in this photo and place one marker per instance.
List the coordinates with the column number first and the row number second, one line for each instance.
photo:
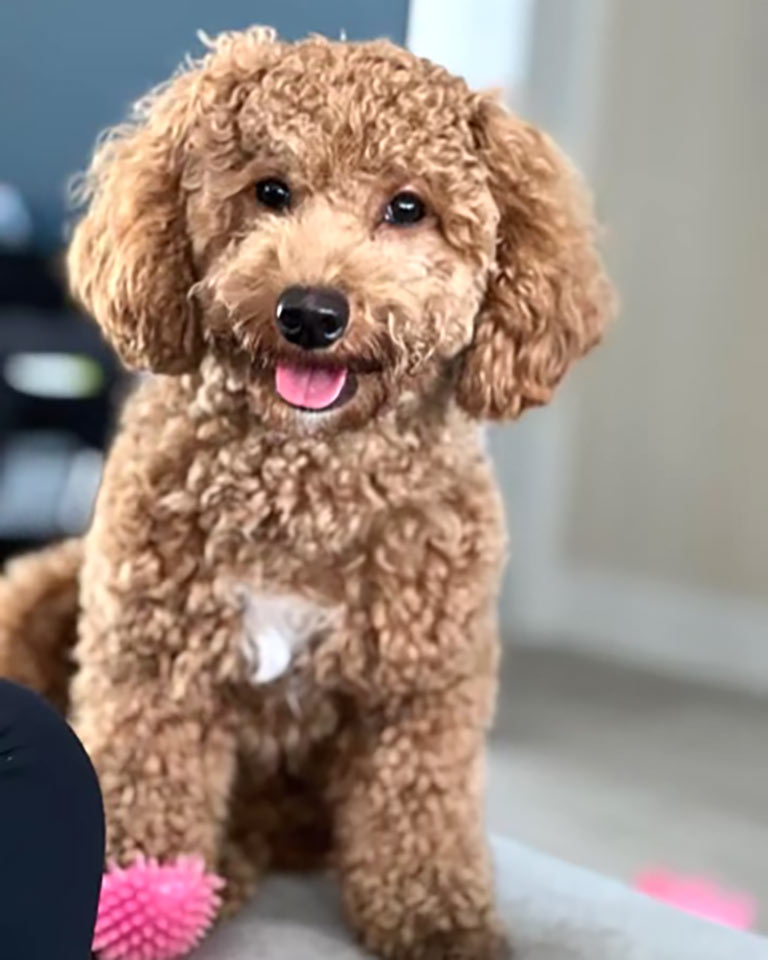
column 618, row 770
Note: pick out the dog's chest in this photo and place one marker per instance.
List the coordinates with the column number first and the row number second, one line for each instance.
column 287, row 713
column 276, row 627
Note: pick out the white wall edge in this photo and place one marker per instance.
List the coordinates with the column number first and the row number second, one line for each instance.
column 484, row 41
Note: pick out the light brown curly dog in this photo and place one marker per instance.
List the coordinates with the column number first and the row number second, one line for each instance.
column 337, row 260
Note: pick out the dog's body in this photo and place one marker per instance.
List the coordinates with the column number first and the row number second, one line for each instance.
column 286, row 648
column 401, row 541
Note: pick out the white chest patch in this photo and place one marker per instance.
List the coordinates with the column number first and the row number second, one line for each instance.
column 276, row 626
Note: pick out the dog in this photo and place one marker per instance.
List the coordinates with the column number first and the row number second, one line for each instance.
column 336, row 262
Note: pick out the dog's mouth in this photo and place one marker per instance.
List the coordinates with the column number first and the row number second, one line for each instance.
column 314, row 388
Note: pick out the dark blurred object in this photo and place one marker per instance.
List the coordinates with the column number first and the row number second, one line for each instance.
column 30, row 280
column 16, row 226
column 27, row 278
column 58, row 381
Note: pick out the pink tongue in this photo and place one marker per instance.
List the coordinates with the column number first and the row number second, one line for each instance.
column 313, row 388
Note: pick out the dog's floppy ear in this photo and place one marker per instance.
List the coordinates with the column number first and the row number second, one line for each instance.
column 129, row 260
column 548, row 298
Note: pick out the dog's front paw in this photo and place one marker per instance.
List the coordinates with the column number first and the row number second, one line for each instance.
column 485, row 944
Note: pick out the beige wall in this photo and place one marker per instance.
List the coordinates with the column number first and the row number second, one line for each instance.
column 669, row 448
column 637, row 501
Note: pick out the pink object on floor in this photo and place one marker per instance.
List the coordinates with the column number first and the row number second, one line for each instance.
column 150, row 911
column 699, row 896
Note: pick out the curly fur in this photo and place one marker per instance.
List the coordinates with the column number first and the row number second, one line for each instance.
column 381, row 516
column 38, row 620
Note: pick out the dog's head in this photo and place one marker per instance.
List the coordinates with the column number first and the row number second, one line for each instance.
column 346, row 228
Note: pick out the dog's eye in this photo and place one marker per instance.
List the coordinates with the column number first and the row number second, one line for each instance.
column 274, row 193
column 404, row 209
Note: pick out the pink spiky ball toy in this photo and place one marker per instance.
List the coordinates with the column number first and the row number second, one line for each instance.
column 700, row 896
column 150, row 911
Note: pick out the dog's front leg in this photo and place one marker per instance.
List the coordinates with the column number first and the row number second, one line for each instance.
column 165, row 769
column 149, row 705
column 412, row 856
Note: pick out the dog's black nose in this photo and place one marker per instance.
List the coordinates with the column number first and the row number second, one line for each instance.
column 312, row 317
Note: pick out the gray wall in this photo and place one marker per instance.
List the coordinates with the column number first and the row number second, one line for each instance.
column 69, row 68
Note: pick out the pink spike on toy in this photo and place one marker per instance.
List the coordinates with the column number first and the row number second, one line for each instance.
column 150, row 911
column 700, row 896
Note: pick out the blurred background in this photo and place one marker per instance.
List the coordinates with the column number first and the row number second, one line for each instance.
column 633, row 723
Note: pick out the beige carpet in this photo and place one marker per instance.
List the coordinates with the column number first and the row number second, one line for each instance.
column 553, row 911
column 616, row 769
